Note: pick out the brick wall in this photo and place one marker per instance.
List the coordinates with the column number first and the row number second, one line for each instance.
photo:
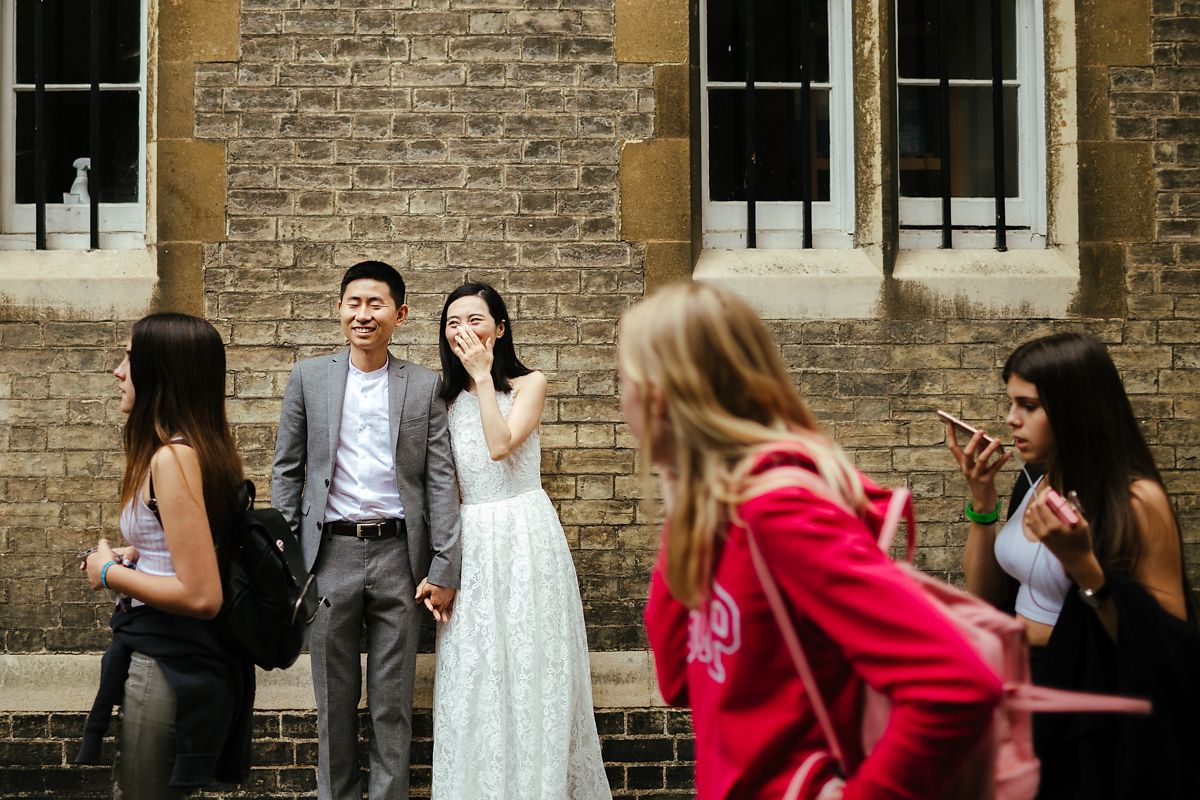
column 477, row 142
column 647, row 754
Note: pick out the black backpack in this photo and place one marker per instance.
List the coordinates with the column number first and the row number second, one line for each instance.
column 270, row 598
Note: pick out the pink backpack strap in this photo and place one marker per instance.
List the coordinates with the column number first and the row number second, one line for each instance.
column 792, row 640
column 899, row 507
column 1039, row 699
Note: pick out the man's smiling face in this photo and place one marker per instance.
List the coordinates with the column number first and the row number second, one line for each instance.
column 369, row 315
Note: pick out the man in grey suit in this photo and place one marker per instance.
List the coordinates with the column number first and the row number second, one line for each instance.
column 363, row 471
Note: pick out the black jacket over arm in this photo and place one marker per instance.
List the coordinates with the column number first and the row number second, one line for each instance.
column 214, row 692
column 1156, row 656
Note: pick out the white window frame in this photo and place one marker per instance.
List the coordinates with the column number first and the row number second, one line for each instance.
column 780, row 224
column 122, row 225
column 1027, row 211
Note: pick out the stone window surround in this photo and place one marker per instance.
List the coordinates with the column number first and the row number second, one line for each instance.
column 185, row 190
column 877, row 278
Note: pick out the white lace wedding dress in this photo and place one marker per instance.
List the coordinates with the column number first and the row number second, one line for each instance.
column 512, row 714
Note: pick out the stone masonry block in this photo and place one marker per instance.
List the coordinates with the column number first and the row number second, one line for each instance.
column 191, row 190
column 199, row 30
column 1116, row 197
column 1113, row 33
column 654, row 33
column 655, row 199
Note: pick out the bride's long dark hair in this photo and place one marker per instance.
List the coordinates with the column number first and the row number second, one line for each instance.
column 505, row 364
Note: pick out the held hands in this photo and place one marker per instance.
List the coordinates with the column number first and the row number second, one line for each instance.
column 475, row 355
column 438, row 599
column 979, row 464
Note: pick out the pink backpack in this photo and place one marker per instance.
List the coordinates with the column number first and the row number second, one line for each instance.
column 1004, row 767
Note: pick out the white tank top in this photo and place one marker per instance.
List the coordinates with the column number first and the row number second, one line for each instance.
column 142, row 529
column 1044, row 582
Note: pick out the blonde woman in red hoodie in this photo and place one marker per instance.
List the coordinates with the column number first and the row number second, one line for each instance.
column 705, row 392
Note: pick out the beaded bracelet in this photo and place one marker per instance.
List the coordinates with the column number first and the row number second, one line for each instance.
column 982, row 519
column 104, row 573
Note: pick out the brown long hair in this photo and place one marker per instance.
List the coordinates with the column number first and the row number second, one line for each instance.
column 177, row 366
column 1099, row 449
column 726, row 399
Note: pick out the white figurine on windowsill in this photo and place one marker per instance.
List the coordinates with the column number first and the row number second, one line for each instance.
column 79, row 188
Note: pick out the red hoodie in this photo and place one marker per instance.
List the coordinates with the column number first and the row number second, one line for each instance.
column 859, row 618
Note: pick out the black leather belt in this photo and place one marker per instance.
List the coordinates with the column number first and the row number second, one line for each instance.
column 379, row 529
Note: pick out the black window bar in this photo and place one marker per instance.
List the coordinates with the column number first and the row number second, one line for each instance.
column 998, row 165
column 749, row 138
column 998, row 156
column 39, row 125
column 804, row 39
column 944, row 96
column 94, row 131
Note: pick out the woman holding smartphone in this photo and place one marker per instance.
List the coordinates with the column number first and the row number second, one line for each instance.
column 1098, row 579
column 185, row 699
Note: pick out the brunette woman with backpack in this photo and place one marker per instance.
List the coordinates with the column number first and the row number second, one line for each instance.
column 185, row 699
column 739, row 453
column 1100, row 583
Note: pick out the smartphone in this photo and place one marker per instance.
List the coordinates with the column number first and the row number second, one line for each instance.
column 970, row 430
column 1062, row 508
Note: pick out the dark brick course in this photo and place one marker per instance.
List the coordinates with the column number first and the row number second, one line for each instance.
column 643, row 761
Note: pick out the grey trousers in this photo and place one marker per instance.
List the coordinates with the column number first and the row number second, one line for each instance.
column 146, row 748
column 366, row 581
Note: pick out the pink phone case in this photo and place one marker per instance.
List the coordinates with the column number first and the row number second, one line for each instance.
column 1061, row 508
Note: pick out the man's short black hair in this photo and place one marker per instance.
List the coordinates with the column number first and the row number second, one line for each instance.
column 379, row 271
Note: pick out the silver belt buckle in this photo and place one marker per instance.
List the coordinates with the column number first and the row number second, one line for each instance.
column 359, row 526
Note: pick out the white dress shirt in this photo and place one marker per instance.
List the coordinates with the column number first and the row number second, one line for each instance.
column 364, row 467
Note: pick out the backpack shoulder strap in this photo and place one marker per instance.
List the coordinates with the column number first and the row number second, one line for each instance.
column 900, row 506
column 792, row 640
column 152, row 504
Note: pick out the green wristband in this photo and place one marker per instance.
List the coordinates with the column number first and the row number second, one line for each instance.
column 982, row 519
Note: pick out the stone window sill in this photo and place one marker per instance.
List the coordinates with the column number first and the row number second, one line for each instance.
column 797, row 284
column 87, row 284
column 1015, row 284
column 847, row 284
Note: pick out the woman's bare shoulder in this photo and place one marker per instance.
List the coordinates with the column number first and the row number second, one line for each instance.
column 531, row 380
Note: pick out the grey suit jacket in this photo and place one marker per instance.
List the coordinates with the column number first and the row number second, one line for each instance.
column 306, row 448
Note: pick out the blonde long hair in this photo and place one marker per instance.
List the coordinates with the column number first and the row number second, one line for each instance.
column 726, row 398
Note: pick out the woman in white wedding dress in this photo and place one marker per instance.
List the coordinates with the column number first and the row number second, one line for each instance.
column 512, row 715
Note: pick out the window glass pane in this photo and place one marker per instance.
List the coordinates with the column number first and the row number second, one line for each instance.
column 969, row 37
column 777, row 120
column 778, row 40
column 66, row 139
column 67, row 46
column 971, row 160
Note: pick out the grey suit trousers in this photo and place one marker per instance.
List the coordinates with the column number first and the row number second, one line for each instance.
column 366, row 581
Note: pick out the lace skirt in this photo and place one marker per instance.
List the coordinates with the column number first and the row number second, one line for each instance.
column 512, row 712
